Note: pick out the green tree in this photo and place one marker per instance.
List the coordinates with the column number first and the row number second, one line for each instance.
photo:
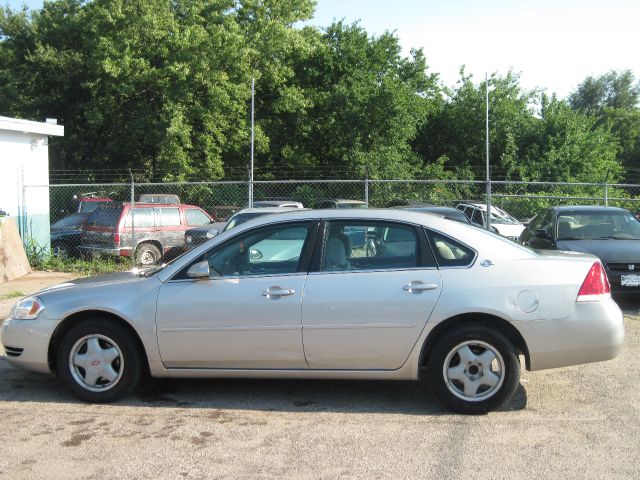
column 612, row 99
column 353, row 106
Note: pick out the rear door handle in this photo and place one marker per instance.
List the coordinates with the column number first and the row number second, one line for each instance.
column 418, row 287
column 277, row 292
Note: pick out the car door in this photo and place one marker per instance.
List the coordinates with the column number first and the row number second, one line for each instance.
column 170, row 226
column 248, row 314
column 365, row 306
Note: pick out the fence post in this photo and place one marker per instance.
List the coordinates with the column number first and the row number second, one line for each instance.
column 366, row 186
column 606, row 194
column 133, row 228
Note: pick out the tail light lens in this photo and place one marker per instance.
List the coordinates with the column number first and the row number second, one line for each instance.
column 595, row 285
column 116, row 239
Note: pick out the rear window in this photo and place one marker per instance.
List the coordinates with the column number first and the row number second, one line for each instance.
column 72, row 221
column 104, row 217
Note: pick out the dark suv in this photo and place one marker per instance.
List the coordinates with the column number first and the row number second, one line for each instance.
column 154, row 229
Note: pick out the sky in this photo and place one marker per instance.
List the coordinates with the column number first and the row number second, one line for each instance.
column 553, row 44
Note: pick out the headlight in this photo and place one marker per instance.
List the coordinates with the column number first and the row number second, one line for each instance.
column 188, row 239
column 27, row 309
column 211, row 233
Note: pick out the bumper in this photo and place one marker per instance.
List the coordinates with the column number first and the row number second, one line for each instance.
column 593, row 333
column 27, row 342
column 101, row 251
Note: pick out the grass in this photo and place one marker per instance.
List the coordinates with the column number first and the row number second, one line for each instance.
column 80, row 266
column 41, row 259
column 14, row 294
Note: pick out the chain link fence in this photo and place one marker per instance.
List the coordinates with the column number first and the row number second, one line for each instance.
column 56, row 219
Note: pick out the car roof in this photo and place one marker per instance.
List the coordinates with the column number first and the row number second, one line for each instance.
column 587, row 208
column 266, row 210
column 339, row 200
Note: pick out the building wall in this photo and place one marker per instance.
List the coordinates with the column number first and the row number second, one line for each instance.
column 24, row 160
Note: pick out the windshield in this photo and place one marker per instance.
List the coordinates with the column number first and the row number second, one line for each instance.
column 598, row 226
column 503, row 219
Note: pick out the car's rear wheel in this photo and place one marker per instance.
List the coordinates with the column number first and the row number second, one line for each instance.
column 99, row 361
column 473, row 369
column 147, row 254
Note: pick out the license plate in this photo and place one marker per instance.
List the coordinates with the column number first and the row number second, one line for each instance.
column 630, row 280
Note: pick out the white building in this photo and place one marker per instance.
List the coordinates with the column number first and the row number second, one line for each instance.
column 24, row 175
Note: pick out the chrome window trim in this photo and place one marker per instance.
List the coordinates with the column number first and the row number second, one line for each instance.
column 236, row 277
column 377, row 270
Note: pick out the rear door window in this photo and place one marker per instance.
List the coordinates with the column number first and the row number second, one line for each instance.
column 142, row 217
column 357, row 245
column 167, row 217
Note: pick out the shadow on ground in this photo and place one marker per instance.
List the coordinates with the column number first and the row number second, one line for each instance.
column 408, row 398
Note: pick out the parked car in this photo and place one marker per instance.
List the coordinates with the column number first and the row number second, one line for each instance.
column 66, row 233
column 447, row 212
column 222, row 213
column 247, row 214
column 88, row 202
column 612, row 234
column 165, row 198
column 158, row 229
column 197, row 235
column 505, row 224
column 339, row 203
column 442, row 302
column 277, row 203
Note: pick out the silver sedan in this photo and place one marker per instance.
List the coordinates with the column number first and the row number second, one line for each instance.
column 341, row 294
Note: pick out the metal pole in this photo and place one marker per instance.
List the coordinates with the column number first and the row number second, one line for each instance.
column 133, row 228
column 366, row 186
column 252, row 138
column 606, row 188
column 488, row 180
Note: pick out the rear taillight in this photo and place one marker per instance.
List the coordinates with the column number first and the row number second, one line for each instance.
column 595, row 285
column 116, row 239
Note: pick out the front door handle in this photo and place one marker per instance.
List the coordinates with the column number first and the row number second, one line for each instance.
column 277, row 292
column 417, row 287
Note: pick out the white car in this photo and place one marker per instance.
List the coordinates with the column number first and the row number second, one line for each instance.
column 291, row 296
column 505, row 224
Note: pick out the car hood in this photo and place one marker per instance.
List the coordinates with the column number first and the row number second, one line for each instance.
column 609, row 251
column 109, row 279
column 205, row 228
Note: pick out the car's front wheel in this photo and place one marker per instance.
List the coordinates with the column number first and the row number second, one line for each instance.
column 473, row 369
column 60, row 249
column 99, row 360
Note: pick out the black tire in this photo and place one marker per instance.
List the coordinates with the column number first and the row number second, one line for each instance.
column 60, row 250
column 110, row 339
column 147, row 254
column 473, row 370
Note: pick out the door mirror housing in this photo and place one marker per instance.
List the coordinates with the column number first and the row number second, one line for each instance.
column 201, row 270
column 542, row 233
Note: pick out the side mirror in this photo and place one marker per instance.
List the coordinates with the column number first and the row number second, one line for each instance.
column 542, row 233
column 200, row 270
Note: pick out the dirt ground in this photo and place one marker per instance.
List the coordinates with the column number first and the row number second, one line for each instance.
column 578, row 422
